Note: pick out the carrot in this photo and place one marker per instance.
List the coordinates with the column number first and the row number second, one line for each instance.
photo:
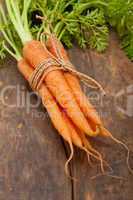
column 57, row 49
column 35, row 54
column 48, row 101
column 52, row 108
column 59, row 119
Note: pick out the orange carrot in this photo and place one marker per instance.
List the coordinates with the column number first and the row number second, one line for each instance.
column 62, row 123
column 48, row 101
column 57, row 85
column 57, row 49
column 52, row 108
column 35, row 54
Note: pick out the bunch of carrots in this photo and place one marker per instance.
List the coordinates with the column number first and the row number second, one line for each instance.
column 69, row 109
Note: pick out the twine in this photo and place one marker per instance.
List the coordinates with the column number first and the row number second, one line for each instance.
column 52, row 63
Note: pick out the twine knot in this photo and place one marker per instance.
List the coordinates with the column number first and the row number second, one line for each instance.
column 58, row 63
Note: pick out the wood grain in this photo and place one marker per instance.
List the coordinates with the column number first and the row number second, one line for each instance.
column 32, row 155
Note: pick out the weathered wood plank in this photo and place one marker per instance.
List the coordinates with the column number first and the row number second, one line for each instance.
column 32, row 155
column 115, row 72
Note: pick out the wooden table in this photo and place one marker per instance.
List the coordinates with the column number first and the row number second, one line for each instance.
column 32, row 154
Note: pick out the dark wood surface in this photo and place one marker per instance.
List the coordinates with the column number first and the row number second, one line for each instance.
column 32, row 155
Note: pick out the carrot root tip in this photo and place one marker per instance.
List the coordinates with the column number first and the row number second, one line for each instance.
column 68, row 161
column 105, row 132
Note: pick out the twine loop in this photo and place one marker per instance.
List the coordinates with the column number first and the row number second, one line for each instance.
column 58, row 63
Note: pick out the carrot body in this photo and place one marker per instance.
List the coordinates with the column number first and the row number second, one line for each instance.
column 48, row 102
column 60, row 120
column 74, row 133
column 56, row 48
column 35, row 54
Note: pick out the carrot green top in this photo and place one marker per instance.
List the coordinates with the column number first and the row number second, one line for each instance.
column 67, row 19
column 86, row 21
column 14, row 27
